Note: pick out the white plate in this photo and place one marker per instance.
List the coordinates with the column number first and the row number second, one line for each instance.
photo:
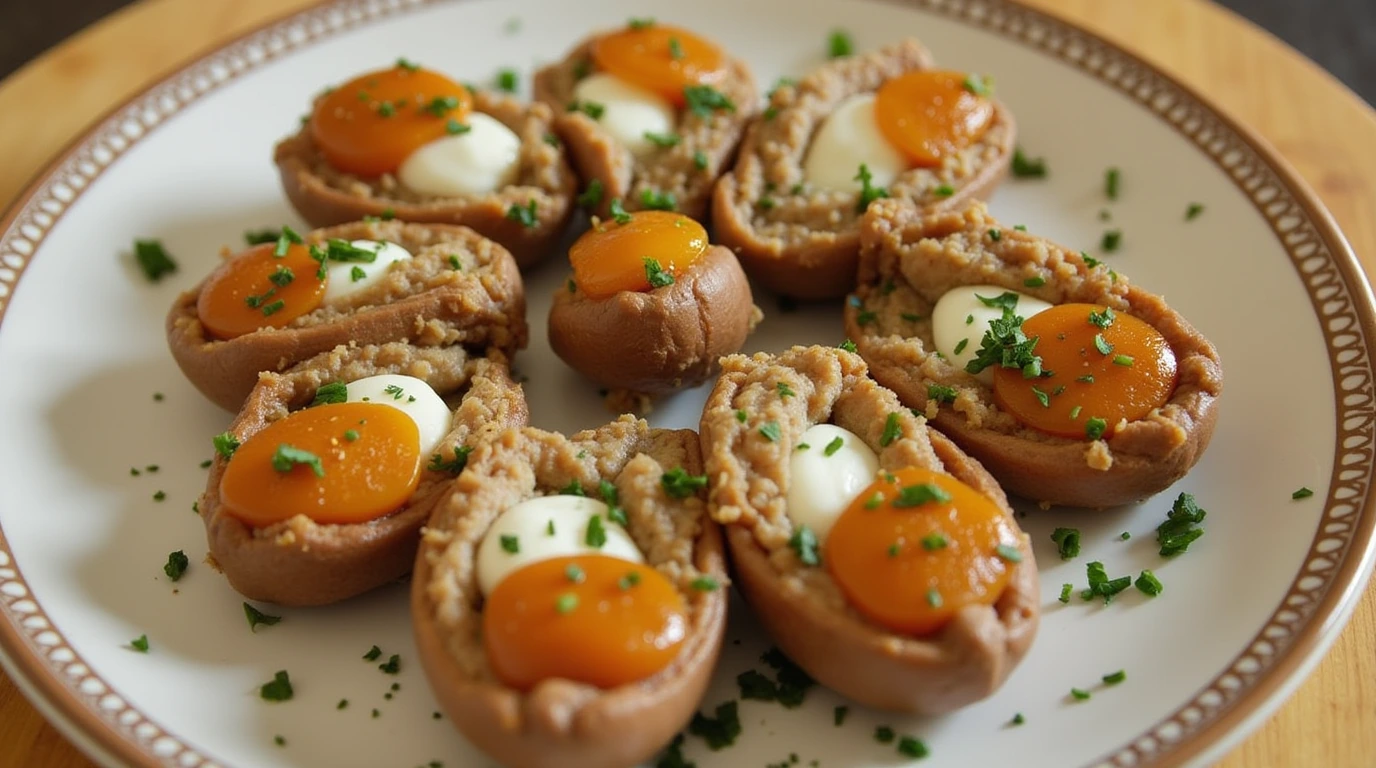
column 1262, row 272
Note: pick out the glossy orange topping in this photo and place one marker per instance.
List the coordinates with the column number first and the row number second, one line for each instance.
column 612, row 257
column 910, row 552
column 1125, row 377
column 369, row 465
column 660, row 58
column 257, row 289
column 372, row 123
column 930, row 115
column 594, row 619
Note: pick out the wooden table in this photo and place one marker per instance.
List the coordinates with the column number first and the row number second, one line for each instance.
column 1319, row 126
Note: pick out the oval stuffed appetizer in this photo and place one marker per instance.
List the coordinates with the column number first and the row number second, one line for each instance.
column 651, row 305
column 409, row 142
column 321, row 485
column 878, row 556
column 881, row 124
column 1070, row 384
column 651, row 114
column 569, row 596
column 274, row 305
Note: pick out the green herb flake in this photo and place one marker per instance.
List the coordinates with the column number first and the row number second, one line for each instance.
column 407, row 64
column 1034, row 282
column 508, row 80
column 960, row 346
column 909, row 746
column 941, row 393
column 574, row 573
column 523, row 214
column 1008, row 553
column 333, row 392
column 256, row 617
column 260, row 236
column 770, row 431
column 836, row 444
column 1042, row 397
column 277, row 689
column 177, row 563
column 944, row 190
column 804, row 544
column 1148, row 584
column 741, row 416
column 1066, row 589
column 704, row 584
column 343, row 704
column 681, row 485
column 511, row 544
column 757, row 686
column 654, row 200
column 838, row 715
column 153, row 259
column 641, row 23
column 392, row 666
column 140, row 643
column 1114, row 678
column 1025, row 167
column 1112, row 240
column 1079, row 694
column 1180, row 528
column 1124, row 360
column 288, row 457
column 874, row 501
column 884, row 734
column 1192, row 212
column 847, row 345
column 596, row 535
column 373, row 654
column 1067, row 542
column 703, row 100
column 663, row 140
column 720, row 731
column 631, row 579
column 892, row 430
column 700, row 160
column 591, row 196
column 1094, row 427
column 1302, row 493
column 590, row 108
column 1111, row 178
column 868, row 192
column 450, row 466
column 839, row 43
column 1100, row 585
column 919, row 494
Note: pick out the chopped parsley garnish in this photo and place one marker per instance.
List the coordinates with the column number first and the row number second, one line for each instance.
column 574, row 488
column 176, row 565
column 153, row 259
column 663, row 140
column 590, row 108
column 655, row 274
column 793, row 681
column 373, row 654
column 454, row 262
column 770, row 431
column 995, row 235
column 1124, row 360
column 742, row 416
column 680, row 485
column 934, row 541
column 395, row 391
column 284, row 241
column 1079, row 694
column 912, row 747
column 1067, row 542
column 591, row 196
column 451, row 466
column 838, row 715
column 140, row 643
column 407, row 64
column 256, row 617
column 333, row 392
column 1111, row 178
column 700, row 160
column 839, row 44
column 941, row 393
column 1095, row 427
column 1042, row 397
column 159, row 495
column 574, row 574
column 884, row 734
column 1112, row 239
column 260, row 236
column 961, row 345
column 1088, row 378
column 835, row 445
column 1035, row 281
column 1025, row 167
column 454, row 127
column 1101, row 344
column 944, row 190
column 1114, row 678
column 704, row 584
column 511, row 544
column 804, row 543
column 442, row 105
column 596, row 535
column 868, row 192
column 1065, row 592
column 1102, row 319
column 917, row 495
column 1005, row 345
column 1302, row 493
column 1018, row 719
column 892, row 430
column 1179, row 531
column 1089, row 261
column 619, row 213
column 704, row 99
column 507, row 80
column 1124, row 536
column 549, row 527
column 288, row 457
column 523, row 214
column 1075, row 413
column 1100, row 585
column 631, row 579
column 356, row 274
column 979, row 85
column 755, row 685
column 278, row 689
column 784, row 390
column 393, row 664
column 1008, row 553
column 655, row 200
column 1148, row 584
column 909, row 316
column 1193, row 211
column 720, row 731
column 273, row 308
column 675, row 49
column 642, row 23
column 847, row 345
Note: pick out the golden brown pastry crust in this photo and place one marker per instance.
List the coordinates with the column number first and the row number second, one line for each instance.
column 562, row 723
column 806, row 243
column 660, row 340
column 424, row 301
column 800, row 606
column 909, row 260
column 325, row 196
column 301, row 562
column 672, row 170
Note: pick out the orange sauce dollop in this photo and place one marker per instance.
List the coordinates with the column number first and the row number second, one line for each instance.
column 369, row 465
column 1135, row 375
column 660, row 58
column 372, row 123
column 257, row 289
column 930, row 115
column 910, row 552
column 593, row 619
column 613, row 257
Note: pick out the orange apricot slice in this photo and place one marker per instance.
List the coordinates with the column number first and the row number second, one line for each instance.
column 593, row 619
column 916, row 546
column 259, row 289
column 338, row 463
column 372, row 123
column 930, row 115
column 642, row 252
column 1106, row 367
column 660, row 58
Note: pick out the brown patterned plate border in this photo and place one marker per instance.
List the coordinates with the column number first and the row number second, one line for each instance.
column 1304, row 622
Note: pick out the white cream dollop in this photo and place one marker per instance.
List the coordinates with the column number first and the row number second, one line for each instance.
column 412, row 397
column 481, row 160
column 850, row 137
column 960, row 320
column 821, row 486
column 543, row 528
column 628, row 111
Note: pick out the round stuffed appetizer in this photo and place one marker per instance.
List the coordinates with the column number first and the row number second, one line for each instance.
column 651, row 113
column 1070, row 384
column 321, row 485
column 569, row 596
column 877, row 555
column 411, row 143
column 277, row 304
column 651, row 305
column 881, row 124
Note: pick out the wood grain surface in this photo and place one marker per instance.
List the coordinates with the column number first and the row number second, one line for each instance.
column 1325, row 131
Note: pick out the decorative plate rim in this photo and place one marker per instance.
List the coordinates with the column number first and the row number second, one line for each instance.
column 1305, row 621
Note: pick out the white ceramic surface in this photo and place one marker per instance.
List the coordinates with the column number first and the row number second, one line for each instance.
column 83, row 352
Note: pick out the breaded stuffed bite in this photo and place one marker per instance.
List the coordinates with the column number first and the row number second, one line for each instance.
column 321, row 485
column 651, row 114
column 1069, row 383
column 411, row 143
column 569, row 598
column 857, row 129
column 274, row 305
column 880, row 557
